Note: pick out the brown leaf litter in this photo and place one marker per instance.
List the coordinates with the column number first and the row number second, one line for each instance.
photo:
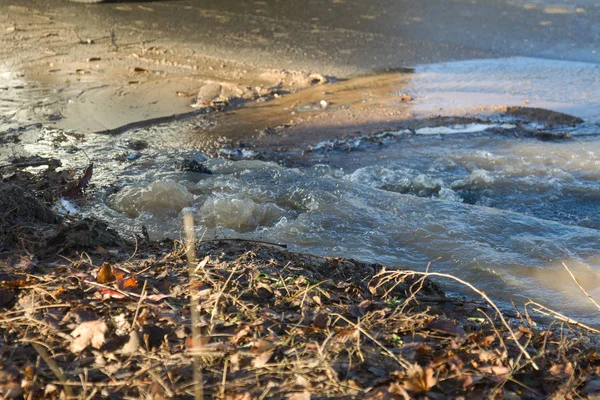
column 272, row 324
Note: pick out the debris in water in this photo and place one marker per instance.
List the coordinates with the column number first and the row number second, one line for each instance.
column 138, row 144
column 78, row 187
column 193, row 166
column 406, row 98
column 552, row 135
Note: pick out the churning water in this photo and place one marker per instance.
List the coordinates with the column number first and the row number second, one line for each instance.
column 495, row 208
column 500, row 212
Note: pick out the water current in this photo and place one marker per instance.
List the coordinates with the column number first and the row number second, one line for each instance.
column 484, row 203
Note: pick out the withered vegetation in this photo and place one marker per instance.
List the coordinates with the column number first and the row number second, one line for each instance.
column 104, row 319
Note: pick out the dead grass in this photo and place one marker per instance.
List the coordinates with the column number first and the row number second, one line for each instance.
column 272, row 324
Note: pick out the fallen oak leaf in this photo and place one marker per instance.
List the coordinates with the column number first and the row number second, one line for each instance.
column 88, row 333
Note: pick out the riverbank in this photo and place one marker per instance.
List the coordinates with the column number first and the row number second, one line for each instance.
column 85, row 314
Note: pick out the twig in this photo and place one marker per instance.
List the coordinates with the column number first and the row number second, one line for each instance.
column 54, row 368
column 139, row 304
column 36, row 163
column 554, row 314
column 246, row 240
column 224, row 380
column 581, row 287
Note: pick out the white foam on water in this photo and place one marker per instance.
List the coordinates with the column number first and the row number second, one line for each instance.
column 463, row 128
column 238, row 214
column 65, row 207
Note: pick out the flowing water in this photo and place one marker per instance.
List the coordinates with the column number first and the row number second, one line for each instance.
column 483, row 202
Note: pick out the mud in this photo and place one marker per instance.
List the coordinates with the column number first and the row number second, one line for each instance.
column 101, row 79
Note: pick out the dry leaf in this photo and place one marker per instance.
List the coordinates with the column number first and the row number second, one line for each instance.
column 242, row 333
column 302, row 381
column 445, row 326
column 262, row 359
column 497, row 370
column 126, row 283
column 321, row 320
column 106, row 294
column 488, row 340
column 392, row 392
column 234, row 363
column 91, row 332
column 261, row 346
column 105, row 274
column 158, row 296
column 80, row 274
column 343, row 335
column 360, row 309
column 420, row 380
column 305, row 395
column 132, row 345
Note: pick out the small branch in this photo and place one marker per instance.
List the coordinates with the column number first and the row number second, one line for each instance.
column 554, row 314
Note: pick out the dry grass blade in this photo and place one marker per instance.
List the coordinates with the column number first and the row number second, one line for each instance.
column 581, row 287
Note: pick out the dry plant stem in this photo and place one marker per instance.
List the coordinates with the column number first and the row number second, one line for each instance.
column 139, row 305
column 399, row 360
column 54, row 368
column 215, row 307
column 188, row 225
column 554, row 314
column 495, row 330
column 486, row 298
column 581, row 287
